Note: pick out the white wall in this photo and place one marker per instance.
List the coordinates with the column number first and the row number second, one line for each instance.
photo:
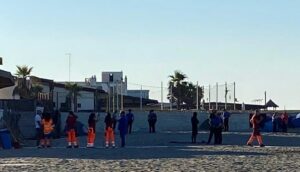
column 7, row 93
column 86, row 99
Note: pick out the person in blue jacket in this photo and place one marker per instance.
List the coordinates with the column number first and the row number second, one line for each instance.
column 123, row 127
column 130, row 119
column 218, row 124
column 226, row 116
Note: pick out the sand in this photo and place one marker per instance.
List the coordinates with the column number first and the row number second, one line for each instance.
column 161, row 152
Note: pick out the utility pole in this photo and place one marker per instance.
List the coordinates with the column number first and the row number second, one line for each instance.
column 162, row 96
column 197, row 98
column 117, row 89
column 141, row 99
column 69, row 55
column 226, row 92
column 122, row 100
column 234, row 106
column 209, row 98
column 113, row 108
column 171, row 99
column 217, row 95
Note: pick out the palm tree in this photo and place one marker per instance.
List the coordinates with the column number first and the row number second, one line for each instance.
column 74, row 90
column 177, row 85
column 35, row 90
column 23, row 82
column 183, row 92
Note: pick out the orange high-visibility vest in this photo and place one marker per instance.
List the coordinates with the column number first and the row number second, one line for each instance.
column 48, row 126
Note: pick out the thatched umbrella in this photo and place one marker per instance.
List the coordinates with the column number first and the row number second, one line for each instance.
column 271, row 104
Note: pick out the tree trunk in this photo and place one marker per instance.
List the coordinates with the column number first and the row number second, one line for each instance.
column 75, row 103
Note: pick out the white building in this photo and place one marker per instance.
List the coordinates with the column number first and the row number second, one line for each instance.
column 113, row 83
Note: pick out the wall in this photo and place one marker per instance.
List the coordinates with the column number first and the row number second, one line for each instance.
column 86, row 99
column 7, row 93
column 168, row 121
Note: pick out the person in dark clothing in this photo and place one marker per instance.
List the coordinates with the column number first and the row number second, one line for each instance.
column 71, row 130
column 195, row 123
column 218, row 129
column 152, row 119
column 226, row 116
column 38, row 128
column 109, row 132
column 115, row 119
column 274, row 122
column 92, row 130
column 57, row 122
column 130, row 119
column 123, row 128
column 284, row 122
column 211, row 127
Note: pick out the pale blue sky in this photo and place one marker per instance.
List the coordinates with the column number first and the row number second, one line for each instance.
column 255, row 43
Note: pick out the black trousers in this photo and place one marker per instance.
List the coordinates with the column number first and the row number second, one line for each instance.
column 211, row 134
column 151, row 126
column 226, row 124
column 218, row 136
column 274, row 126
column 38, row 136
column 130, row 126
column 284, row 127
column 194, row 136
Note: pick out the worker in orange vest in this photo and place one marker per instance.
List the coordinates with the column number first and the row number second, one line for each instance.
column 109, row 131
column 92, row 130
column 48, row 126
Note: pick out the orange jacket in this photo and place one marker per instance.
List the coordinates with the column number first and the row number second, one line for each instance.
column 48, row 126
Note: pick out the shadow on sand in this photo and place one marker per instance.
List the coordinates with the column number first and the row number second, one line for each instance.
column 129, row 153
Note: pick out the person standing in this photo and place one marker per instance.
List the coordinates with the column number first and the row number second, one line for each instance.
column 285, row 122
column 218, row 129
column 71, row 130
column 92, row 130
column 109, row 131
column 226, row 116
column 195, row 123
column 212, row 128
column 152, row 119
column 274, row 122
column 256, row 122
column 57, row 122
column 130, row 119
column 38, row 128
column 123, row 128
column 48, row 127
column 115, row 119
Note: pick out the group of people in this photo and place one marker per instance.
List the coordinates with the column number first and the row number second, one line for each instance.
column 218, row 121
column 45, row 126
column 280, row 121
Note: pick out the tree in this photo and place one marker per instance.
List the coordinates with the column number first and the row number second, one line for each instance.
column 74, row 90
column 183, row 92
column 35, row 90
column 176, row 86
column 23, row 82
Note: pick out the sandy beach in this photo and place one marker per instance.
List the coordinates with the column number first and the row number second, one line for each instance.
column 161, row 152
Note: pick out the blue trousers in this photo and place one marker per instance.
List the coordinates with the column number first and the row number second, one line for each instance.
column 123, row 136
